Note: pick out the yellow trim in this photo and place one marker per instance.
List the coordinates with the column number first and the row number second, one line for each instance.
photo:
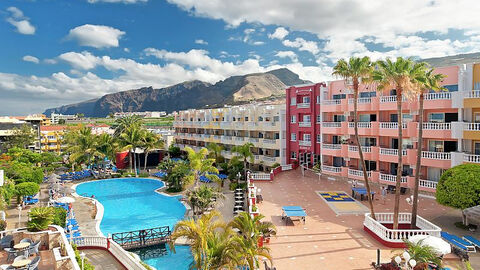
column 471, row 102
column 471, row 135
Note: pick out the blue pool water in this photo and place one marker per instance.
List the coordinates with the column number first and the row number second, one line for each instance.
column 132, row 204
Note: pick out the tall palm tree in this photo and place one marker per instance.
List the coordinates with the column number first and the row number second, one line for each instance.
column 357, row 70
column 126, row 122
column 130, row 139
column 245, row 152
column 201, row 165
column 150, row 141
column 200, row 198
column 426, row 81
column 82, row 145
column 107, row 145
column 215, row 150
column 396, row 75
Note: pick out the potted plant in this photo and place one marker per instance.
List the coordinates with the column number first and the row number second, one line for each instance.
column 40, row 218
column 267, row 229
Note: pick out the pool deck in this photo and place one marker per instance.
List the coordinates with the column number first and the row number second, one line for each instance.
column 327, row 240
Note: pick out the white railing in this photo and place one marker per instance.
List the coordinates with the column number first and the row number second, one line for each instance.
column 392, row 125
column 471, row 158
column 305, row 143
column 392, row 178
column 436, row 155
column 269, row 159
column 287, row 167
column 331, row 102
column 216, row 137
column 398, row 236
column 303, row 105
column 304, row 124
column 331, row 146
column 331, row 169
column 115, row 249
column 269, row 141
column 472, row 94
column 392, row 152
column 471, row 126
column 259, row 176
column 360, row 100
column 253, row 140
column 239, row 139
column 384, row 99
column 358, row 173
column 428, row 184
column 360, row 124
column 365, row 149
column 439, row 95
column 437, row 126
column 226, row 138
column 331, row 124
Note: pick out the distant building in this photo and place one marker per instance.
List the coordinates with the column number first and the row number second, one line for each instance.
column 155, row 114
column 55, row 117
column 7, row 128
column 100, row 129
column 52, row 138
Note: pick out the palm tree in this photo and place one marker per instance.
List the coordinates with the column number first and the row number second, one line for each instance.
column 107, row 146
column 150, row 141
column 397, row 75
column 201, row 165
column 215, row 150
column 426, row 81
column 245, row 152
column 126, row 122
column 82, row 145
column 357, row 70
column 200, row 198
column 130, row 139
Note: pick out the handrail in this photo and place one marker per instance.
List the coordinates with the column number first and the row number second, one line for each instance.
column 436, row 155
column 471, row 158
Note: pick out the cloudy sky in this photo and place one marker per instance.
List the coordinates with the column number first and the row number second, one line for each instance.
column 58, row 52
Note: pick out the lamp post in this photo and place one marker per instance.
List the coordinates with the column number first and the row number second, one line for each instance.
column 70, row 232
column 19, row 207
column 82, row 256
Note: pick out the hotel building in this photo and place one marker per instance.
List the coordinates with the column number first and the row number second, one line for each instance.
column 51, row 138
column 320, row 128
column 259, row 124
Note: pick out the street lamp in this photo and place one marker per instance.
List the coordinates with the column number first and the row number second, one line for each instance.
column 82, row 256
column 70, row 227
column 19, row 207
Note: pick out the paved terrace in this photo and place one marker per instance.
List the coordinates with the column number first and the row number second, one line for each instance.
column 328, row 241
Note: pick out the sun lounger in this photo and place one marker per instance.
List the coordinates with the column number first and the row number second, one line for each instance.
column 457, row 242
column 474, row 241
column 289, row 212
column 291, row 208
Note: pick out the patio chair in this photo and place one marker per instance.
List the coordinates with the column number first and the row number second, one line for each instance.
column 6, row 241
column 34, row 248
column 474, row 241
column 18, row 258
column 12, row 253
column 6, row 267
column 26, row 240
column 34, row 264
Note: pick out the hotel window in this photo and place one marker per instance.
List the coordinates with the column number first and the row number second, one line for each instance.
column 306, row 137
column 306, row 99
column 319, row 138
column 51, row 137
column 436, row 117
column 293, row 155
column 306, row 118
column 477, row 148
column 293, row 137
column 318, row 99
column 293, row 101
column 435, row 146
column 293, row 119
column 319, row 118
column 476, row 117
column 246, row 118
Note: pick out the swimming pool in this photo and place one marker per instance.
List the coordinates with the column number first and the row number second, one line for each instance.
column 132, row 204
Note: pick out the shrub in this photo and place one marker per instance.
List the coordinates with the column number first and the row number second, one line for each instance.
column 40, row 218
column 459, row 186
column 59, row 216
column 26, row 189
column 3, row 225
column 275, row 165
column 143, row 174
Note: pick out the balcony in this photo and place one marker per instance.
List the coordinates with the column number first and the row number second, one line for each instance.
column 334, row 105
column 253, row 140
column 391, row 178
column 358, row 174
column 437, row 159
column 331, row 124
column 469, row 158
column 364, row 128
column 438, row 96
column 471, row 131
column 239, row 139
column 304, row 124
column 354, row 148
column 305, row 143
column 303, row 105
column 436, row 126
column 269, row 159
column 472, row 94
column 436, row 155
column 366, row 100
column 226, row 139
column 360, row 125
column 334, row 128
column 331, row 169
column 436, row 130
column 270, row 141
column 392, row 152
column 392, row 125
column 332, row 102
column 428, row 184
column 328, row 146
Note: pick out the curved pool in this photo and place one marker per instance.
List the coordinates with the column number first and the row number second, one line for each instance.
column 133, row 204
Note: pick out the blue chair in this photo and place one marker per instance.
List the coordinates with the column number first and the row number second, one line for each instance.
column 6, row 241
column 72, row 222
column 472, row 240
column 458, row 242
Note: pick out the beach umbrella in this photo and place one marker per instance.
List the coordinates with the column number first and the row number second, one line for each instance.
column 67, row 190
column 65, row 200
column 440, row 246
column 55, row 186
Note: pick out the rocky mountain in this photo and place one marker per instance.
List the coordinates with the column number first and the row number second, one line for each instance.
column 186, row 95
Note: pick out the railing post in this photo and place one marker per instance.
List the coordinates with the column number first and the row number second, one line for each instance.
column 108, row 241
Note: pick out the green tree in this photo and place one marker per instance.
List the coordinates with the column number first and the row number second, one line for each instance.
column 459, row 186
column 21, row 137
column 426, row 81
column 150, row 141
column 174, row 151
column 200, row 198
column 26, row 189
column 201, row 165
column 423, row 253
column 396, row 75
column 357, row 70
column 130, row 139
column 107, row 145
column 82, row 145
column 179, row 177
column 215, row 152
column 40, row 218
column 245, row 153
column 127, row 122
column 61, row 121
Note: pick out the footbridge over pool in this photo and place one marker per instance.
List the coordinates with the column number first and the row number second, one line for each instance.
column 143, row 238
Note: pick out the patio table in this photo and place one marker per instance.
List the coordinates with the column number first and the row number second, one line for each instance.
column 21, row 263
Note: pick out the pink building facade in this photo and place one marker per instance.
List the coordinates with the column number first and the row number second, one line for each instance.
column 320, row 129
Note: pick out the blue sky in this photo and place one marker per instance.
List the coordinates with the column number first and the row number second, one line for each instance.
column 58, row 52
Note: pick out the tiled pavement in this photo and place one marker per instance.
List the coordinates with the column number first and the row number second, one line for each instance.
column 327, row 240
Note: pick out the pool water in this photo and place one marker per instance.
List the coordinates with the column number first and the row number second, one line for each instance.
column 163, row 259
column 132, row 204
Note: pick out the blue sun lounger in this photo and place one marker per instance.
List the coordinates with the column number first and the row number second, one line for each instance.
column 474, row 241
column 290, row 212
column 457, row 242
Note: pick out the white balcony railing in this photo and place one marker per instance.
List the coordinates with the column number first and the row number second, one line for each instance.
column 428, row 184
column 385, row 99
column 361, row 100
column 471, row 126
column 269, row 159
column 471, row 158
column 436, row 155
column 331, row 102
column 303, row 105
column 358, row 173
column 360, row 124
column 392, row 152
column 331, row 146
column 269, row 141
column 331, row 124
column 253, row 140
column 436, row 126
column 472, row 94
column 365, row 149
column 239, row 139
column 305, row 143
column 439, row 95
column 392, row 178
column 331, row 169
column 304, row 124
column 392, row 125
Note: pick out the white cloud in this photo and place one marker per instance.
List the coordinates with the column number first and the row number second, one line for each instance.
column 280, row 33
column 117, row 1
column 29, row 58
column 302, row 45
column 21, row 23
column 97, row 36
column 50, row 61
column 289, row 54
column 201, row 42
column 84, row 60
column 257, row 43
column 126, row 50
